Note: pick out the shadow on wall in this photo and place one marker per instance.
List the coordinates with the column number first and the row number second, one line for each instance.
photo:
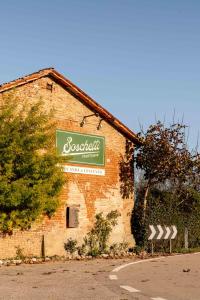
column 127, row 171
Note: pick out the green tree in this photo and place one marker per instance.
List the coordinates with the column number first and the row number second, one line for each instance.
column 30, row 179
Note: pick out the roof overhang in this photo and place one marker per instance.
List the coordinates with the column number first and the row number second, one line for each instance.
column 78, row 93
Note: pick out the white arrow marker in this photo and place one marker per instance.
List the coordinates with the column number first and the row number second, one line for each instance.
column 175, row 232
column 153, row 232
column 113, row 277
column 167, row 233
column 160, row 233
column 158, row 298
column 129, row 289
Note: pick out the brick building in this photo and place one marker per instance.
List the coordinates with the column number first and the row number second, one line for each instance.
column 98, row 171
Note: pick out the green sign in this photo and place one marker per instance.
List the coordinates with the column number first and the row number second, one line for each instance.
column 81, row 148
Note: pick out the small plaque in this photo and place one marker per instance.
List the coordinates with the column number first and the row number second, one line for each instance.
column 72, row 217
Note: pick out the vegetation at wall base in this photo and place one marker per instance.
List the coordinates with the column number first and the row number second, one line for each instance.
column 70, row 245
column 30, row 180
column 96, row 241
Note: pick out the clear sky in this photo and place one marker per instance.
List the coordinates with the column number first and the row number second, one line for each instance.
column 140, row 59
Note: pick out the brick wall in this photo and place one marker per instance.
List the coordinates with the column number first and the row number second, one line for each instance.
column 91, row 194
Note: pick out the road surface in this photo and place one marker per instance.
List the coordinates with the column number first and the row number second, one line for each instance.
column 169, row 278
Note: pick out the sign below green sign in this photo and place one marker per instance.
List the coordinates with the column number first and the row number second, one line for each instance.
column 81, row 148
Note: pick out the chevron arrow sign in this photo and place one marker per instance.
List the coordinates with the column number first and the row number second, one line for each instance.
column 158, row 232
column 174, row 232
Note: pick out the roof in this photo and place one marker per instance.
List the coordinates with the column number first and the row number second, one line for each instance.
column 78, row 93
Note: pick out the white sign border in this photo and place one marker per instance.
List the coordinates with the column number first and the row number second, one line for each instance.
column 85, row 134
column 84, row 170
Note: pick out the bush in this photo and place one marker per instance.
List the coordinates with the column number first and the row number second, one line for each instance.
column 82, row 250
column 97, row 238
column 119, row 248
column 20, row 253
column 70, row 246
column 95, row 242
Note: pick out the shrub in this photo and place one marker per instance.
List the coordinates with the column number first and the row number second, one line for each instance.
column 97, row 238
column 20, row 253
column 119, row 248
column 82, row 250
column 96, row 241
column 70, row 245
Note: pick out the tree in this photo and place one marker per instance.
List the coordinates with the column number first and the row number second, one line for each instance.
column 164, row 156
column 170, row 188
column 30, row 179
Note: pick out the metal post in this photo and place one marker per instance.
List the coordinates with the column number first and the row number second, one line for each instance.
column 43, row 247
column 170, row 246
column 186, row 238
column 152, row 248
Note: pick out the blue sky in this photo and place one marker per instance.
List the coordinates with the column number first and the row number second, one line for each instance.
column 139, row 59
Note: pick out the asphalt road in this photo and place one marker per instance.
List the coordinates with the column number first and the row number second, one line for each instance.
column 170, row 278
